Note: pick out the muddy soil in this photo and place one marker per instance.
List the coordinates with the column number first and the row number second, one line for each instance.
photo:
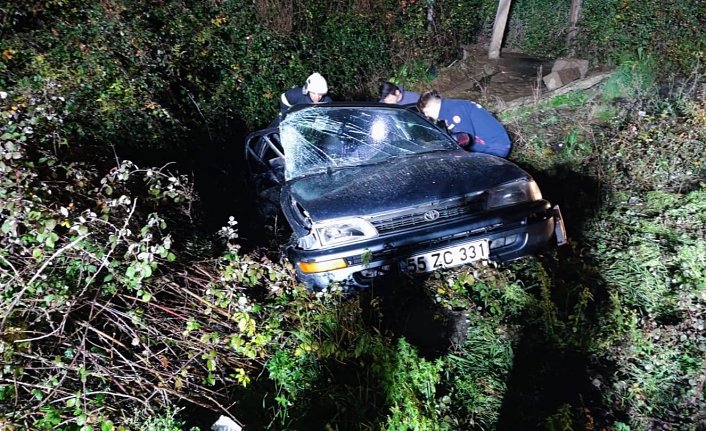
column 492, row 82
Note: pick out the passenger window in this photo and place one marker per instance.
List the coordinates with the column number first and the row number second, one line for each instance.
column 273, row 149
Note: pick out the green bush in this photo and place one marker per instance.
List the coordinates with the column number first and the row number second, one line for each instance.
column 538, row 27
column 670, row 30
column 410, row 384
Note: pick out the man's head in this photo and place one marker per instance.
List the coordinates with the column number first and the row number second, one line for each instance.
column 430, row 104
column 390, row 93
column 315, row 87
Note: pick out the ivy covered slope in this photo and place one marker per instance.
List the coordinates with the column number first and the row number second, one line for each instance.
column 119, row 313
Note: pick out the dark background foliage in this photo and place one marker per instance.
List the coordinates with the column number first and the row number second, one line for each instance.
column 157, row 73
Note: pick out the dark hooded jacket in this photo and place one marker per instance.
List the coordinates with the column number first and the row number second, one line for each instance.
column 297, row 96
column 488, row 135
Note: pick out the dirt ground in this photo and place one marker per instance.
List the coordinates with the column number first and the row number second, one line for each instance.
column 492, row 82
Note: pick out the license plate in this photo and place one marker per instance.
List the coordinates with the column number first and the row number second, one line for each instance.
column 448, row 257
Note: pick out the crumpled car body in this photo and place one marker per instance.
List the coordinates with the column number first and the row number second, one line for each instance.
column 371, row 190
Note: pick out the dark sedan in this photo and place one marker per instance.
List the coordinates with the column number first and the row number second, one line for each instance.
column 373, row 189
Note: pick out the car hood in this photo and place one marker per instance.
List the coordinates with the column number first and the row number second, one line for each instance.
column 399, row 183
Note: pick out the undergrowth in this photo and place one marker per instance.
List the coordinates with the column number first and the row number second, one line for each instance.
column 641, row 246
column 110, row 322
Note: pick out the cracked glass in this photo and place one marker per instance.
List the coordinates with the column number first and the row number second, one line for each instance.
column 323, row 139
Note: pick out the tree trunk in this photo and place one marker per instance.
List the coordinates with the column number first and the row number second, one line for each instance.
column 499, row 28
column 573, row 21
column 430, row 15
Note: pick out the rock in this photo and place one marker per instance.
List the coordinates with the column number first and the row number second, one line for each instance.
column 224, row 423
column 569, row 75
column 552, row 81
column 568, row 63
column 561, row 77
column 468, row 51
column 490, row 69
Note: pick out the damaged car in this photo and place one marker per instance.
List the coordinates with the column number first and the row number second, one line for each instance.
column 371, row 190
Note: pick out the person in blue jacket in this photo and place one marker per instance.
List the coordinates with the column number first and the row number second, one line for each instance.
column 314, row 91
column 486, row 132
column 397, row 95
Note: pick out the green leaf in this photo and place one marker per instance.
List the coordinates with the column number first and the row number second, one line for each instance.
column 146, row 271
column 82, row 374
column 7, row 226
column 38, row 394
column 50, row 224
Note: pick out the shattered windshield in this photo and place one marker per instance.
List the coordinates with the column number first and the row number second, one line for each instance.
column 327, row 138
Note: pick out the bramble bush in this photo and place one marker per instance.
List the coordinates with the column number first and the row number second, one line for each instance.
column 79, row 253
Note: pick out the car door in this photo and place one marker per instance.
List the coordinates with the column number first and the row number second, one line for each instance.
column 264, row 159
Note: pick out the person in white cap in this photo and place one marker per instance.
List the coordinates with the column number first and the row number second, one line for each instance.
column 314, row 91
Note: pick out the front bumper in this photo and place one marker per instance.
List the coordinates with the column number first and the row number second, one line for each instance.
column 512, row 233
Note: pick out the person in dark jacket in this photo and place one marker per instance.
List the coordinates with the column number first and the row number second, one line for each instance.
column 393, row 94
column 486, row 132
column 314, row 91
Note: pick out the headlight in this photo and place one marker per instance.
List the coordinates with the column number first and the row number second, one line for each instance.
column 513, row 193
column 337, row 232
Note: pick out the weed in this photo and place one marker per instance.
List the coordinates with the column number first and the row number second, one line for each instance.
column 634, row 79
column 562, row 420
column 607, row 114
column 478, row 372
column 410, row 383
column 571, row 99
column 165, row 421
column 413, row 74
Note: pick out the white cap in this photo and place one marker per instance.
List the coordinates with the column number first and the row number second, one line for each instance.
column 316, row 83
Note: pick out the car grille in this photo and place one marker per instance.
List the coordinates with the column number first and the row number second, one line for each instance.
column 445, row 211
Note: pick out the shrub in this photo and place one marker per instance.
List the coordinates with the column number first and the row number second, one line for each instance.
column 72, row 240
column 538, row 27
column 671, row 31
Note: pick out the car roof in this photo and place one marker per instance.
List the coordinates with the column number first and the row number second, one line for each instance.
column 354, row 104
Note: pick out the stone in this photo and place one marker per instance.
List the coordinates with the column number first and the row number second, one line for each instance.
column 568, row 63
column 552, row 81
column 569, row 75
column 224, row 423
column 468, row 51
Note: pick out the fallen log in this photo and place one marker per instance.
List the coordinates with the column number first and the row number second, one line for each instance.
column 582, row 84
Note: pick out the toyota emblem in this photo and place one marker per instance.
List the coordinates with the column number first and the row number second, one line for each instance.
column 431, row 215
